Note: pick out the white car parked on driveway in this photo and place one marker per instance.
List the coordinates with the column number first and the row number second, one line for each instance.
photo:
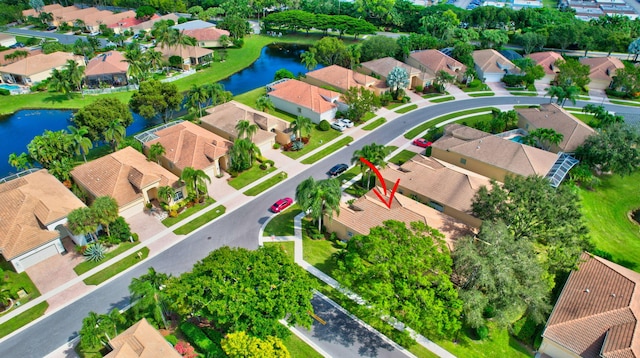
column 345, row 121
column 339, row 126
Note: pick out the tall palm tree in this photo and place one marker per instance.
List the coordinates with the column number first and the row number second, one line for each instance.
column 81, row 222
column 264, row 104
column 137, row 63
column 115, row 133
column 319, row 197
column 153, row 58
column 91, row 331
column 301, row 125
column 197, row 97
column 82, row 143
column 375, row 154
column 162, row 33
column 571, row 93
column 105, row 211
column 146, row 292
column 554, row 91
column 60, row 82
column 309, row 59
column 166, row 193
column 156, row 150
column 246, row 129
column 196, row 181
column 216, row 93
column 112, row 320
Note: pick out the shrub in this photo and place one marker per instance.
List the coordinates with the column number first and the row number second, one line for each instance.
column 95, row 252
column 238, row 42
column 297, row 145
column 305, row 140
column 263, row 166
column 195, row 335
column 406, row 99
column 135, row 237
column 513, row 80
column 120, row 229
column 182, row 20
column 270, row 162
column 524, row 329
column 216, row 337
column 419, row 88
column 324, row 125
column 185, row 349
column 276, row 145
column 482, row 332
column 4, row 92
column 474, row 84
column 171, row 339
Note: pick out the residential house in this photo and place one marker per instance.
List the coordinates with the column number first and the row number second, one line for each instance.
column 189, row 145
column 490, row 155
column 550, row 115
column 193, row 25
column 141, row 340
column 547, row 60
column 190, row 55
column 445, row 187
column 382, row 66
column 128, row 177
column 33, row 212
column 37, row 68
column 222, row 120
column 368, row 211
column 341, row 79
column 148, row 25
column 129, row 23
column 209, row 37
column 5, row 61
column 434, row 61
column 46, row 8
column 302, row 99
column 70, row 14
column 597, row 313
column 7, row 40
column 92, row 23
column 107, row 68
column 491, row 66
column 602, row 70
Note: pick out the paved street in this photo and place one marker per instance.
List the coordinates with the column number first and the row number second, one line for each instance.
column 62, row 38
column 238, row 227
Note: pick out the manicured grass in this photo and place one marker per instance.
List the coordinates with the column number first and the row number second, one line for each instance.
column 88, row 265
column 316, row 139
column 375, row 124
column 584, row 98
column 249, row 176
column 368, row 116
column 427, row 125
column 117, row 267
column 584, row 117
column 605, row 210
column 349, row 174
column 282, row 224
column 393, row 105
column 470, row 121
column 283, row 115
column 402, row 157
column 407, row 108
column 442, row 99
column 318, row 253
column 266, row 184
column 481, row 94
column 250, row 98
column 298, row 348
column 327, row 150
column 624, row 103
column 523, row 93
column 10, row 104
column 480, row 88
column 287, row 246
column 201, row 220
column 499, row 344
column 431, row 95
column 550, row 3
column 18, row 281
column 169, row 221
column 23, row 318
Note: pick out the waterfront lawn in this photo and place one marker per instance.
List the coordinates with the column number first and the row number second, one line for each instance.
column 249, row 176
column 327, row 150
column 250, row 98
column 282, row 224
column 169, row 221
column 23, row 318
column 201, row 220
column 402, row 157
column 18, row 281
column 117, row 267
column 266, row 184
column 88, row 265
column 316, row 139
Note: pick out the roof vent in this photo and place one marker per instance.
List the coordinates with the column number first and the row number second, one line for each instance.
column 586, row 290
column 613, row 295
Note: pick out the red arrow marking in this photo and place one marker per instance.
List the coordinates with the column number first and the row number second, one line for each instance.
column 384, row 185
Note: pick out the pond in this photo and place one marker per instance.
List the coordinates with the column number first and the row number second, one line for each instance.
column 19, row 128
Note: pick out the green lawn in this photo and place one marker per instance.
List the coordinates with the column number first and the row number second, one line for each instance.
column 88, row 265
column 470, row 121
column 282, row 224
column 368, row 116
column 317, row 139
column 431, row 95
column 481, row 94
column 327, row 150
column 201, row 220
column 266, row 184
column 169, row 221
column 605, row 211
column 584, row 117
column 499, row 344
column 318, row 253
column 393, row 105
column 524, row 93
column 375, row 124
column 402, row 157
column 287, row 246
column 550, row 3
column 23, row 318
column 424, row 126
column 249, row 176
column 298, row 348
column 349, row 174
column 18, row 281
column 624, row 103
column 442, row 99
column 249, row 98
column 117, row 267
column 407, row 108
column 480, row 88
column 283, row 115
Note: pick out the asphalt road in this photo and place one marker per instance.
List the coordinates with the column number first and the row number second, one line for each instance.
column 238, row 228
column 62, row 38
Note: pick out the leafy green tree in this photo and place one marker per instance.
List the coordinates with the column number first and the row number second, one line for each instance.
column 114, row 134
column 614, row 148
column 61, row 168
column 37, row 5
column 443, row 80
column 246, row 129
column 50, row 147
column 82, row 143
column 531, row 70
column 240, row 345
column 404, row 272
column 572, row 73
column 145, row 12
column 245, row 290
column 155, row 98
column 397, row 80
column 236, row 25
column 493, row 38
column 98, row 115
column 319, row 198
column 500, row 274
column 375, row 154
column 149, row 296
column 217, row 94
column 156, row 150
column 627, row 80
column 283, row 73
column 91, row 333
column 536, row 212
column 105, row 211
column 301, row 126
column 379, row 46
column 330, row 51
column 531, row 41
column 376, row 9
column 196, row 181
column 112, row 320
column 564, row 34
column 360, row 101
column 20, row 161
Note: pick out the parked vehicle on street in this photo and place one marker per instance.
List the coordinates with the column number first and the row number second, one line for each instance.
column 281, row 204
column 338, row 169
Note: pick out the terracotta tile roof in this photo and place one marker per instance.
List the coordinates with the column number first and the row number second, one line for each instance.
column 317, row 99
column 227, row 115
column 440, row 181
column 189, row 145
column 491, row 61
column 110, row 19
column 208, row 34
column 6, row 37
column 342, row 78
column 40, row 63
column 46, row 8
column 383, row 66
column 502, row 153
column 106, row 63
column 435, row 61
column 141, row 341
column 4, row 62
column 27, row 205
column 71, row 15
column 602, row 68
column 122, row 175
column 547, row 60
column 98, row 17
column 368, row 211
column 184, row 51
column 149, row 24
column 131, row 21
column 550, row 115
column 597, row 312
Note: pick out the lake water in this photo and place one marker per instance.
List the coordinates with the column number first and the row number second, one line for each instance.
column 18, row 129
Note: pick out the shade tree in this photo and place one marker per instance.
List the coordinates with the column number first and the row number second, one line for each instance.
column 612, row 149
column 155, row 98
column 98, row 115
column 360, row 101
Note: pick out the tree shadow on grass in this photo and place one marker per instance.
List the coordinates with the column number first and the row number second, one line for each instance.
column 56, row 99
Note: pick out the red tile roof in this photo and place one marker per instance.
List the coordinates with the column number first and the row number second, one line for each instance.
column 131, row 21
column 208, row 34
column 305, row 95
column 602, row 68
column 107, row 63
column 547, row 60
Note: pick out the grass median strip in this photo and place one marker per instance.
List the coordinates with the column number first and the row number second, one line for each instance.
column 407, row 109
column 282, row 224
column 117, row 267
column 266, row 184
column 442, row 99
column 169, row 221
column 528, row 94
column 23, row 318
column 249, row 176
column 201, row 220
column 375, row 124
column 328, row 150
column 625, row 103
column 430, row 124
column 88, row 265
column 481, row 94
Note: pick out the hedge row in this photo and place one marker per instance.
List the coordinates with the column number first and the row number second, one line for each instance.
column 196, row 337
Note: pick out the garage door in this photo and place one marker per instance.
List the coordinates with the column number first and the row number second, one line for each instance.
column 38, row 256
column 129, row 212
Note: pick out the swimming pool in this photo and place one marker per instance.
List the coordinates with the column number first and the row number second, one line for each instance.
column 9, row 87
column 517, row 139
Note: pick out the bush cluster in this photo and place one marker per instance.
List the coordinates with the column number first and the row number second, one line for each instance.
column 196, row 337
column 324, row 125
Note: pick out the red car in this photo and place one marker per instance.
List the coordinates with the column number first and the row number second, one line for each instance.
column 281, row 205
column 421, row 142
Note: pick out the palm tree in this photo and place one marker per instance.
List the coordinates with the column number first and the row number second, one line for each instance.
column 242, row 153
column 146, row 292
column 82, row 143
column 216, row 93
column 319, row 197
column 197, row 97
column 162, row 33
column 195, row 180
column 60, row 82
column 246, row 129
column 375, row 154
column 156, row 150
column 571, row 93
column 91, row 331
column 45, row 17
column 81, row 222
column 20, row 162
column 153, row 58
column 61, row 168
column 555, row 91
column 309, row 59
column 115, row 133
column 137, row 63
column 166, row 193
column 105, row 211
column 79, row 23
column 301, row 124
column 264, row 104
column 112, row 319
